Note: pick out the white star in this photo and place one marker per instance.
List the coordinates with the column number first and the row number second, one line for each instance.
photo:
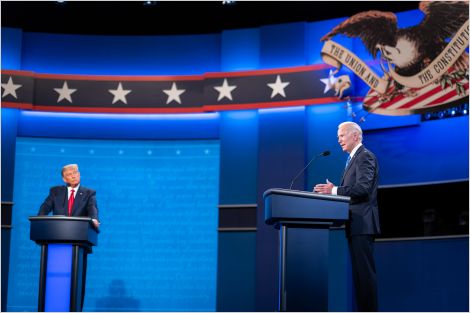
column 173, row 93
column 65, row 93
column 225, row 90
column 329, row 82
column 278, row 87
column 119, row 94
column 10, row 88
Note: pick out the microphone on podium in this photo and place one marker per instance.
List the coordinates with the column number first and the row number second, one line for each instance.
column 324, row 153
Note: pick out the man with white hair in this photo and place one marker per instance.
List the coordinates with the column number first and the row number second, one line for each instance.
column 359, row 182
column 71, row 199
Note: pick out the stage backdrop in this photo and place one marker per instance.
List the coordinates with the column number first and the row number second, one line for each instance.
column 157, row 202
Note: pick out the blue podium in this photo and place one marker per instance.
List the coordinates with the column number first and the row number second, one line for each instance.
column 304, row 220
column 65, row 243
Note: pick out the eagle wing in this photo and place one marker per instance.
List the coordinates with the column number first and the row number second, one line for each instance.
column 373, row 27
column 443, row 18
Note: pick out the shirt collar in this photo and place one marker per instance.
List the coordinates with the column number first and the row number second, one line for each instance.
column 70, row 188
column 353, row 152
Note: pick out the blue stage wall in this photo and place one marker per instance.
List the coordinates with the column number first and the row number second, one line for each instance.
column 9, row 133
column 157, row 201
column 423, row 275
column 239, row 157
column 281, row 157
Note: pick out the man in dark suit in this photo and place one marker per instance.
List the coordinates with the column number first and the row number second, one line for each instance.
column 360, row 182
column 72, row 199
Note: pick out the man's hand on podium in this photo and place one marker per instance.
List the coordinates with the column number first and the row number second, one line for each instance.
column 96, row 223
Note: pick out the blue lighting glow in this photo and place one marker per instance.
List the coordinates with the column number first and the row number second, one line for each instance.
column 185, row 116
column 281, row 110
column 58, row 278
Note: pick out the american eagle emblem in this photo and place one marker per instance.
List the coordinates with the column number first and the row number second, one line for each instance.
column 421, row 62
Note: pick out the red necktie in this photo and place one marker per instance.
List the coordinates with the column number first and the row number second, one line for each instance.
column 71, row 199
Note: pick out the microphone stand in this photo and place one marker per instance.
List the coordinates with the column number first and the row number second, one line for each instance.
column 324, row 153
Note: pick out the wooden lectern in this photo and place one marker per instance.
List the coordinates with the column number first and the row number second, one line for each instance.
column 65, row 243
column 304, row 220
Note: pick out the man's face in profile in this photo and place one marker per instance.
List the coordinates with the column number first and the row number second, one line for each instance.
column 347, row 139
column 71, row 176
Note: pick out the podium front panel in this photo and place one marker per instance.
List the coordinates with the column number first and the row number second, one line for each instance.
column 58, row 278
column 304, row 219
column 65, row 243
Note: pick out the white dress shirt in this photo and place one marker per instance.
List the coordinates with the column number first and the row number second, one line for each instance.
column 69, row 191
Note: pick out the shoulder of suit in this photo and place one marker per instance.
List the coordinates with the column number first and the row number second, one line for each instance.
column 85, row 189
column 58, row 188
column 366, row 151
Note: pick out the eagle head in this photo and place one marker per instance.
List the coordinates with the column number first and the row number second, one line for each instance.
column 404, row 54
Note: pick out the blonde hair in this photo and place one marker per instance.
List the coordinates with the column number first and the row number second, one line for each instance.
column 352, row 127
column 74, row 166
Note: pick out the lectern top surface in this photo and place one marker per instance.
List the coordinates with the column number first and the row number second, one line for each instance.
column 305, row 194
column 59, row 217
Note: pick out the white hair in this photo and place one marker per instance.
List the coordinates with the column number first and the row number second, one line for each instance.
column 74, row 166
column 352, row 127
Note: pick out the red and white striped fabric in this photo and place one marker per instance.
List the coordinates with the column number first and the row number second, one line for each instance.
column 414, row 100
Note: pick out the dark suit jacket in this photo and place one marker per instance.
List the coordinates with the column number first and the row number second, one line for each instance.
column 360, row 181
column 84, row 204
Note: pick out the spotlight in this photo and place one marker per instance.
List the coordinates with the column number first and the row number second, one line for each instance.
column 228, row 2
column 465, row 109
column 451, row 112
column 440, row 114
column 149, row 3
column 427, row 116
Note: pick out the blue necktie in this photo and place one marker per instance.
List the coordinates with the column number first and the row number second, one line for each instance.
column 347, row 161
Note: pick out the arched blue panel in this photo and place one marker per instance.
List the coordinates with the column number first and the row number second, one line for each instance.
column 9, row 130
column 316, row 30
column 118, row 126
column 283, row 45
column 11, row 48
column 121, row 55
column 239, row 157
column 240, row 49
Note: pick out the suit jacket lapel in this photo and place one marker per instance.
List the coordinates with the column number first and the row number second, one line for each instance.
column 353, row 159
column 78, row 199
column 65, row 201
